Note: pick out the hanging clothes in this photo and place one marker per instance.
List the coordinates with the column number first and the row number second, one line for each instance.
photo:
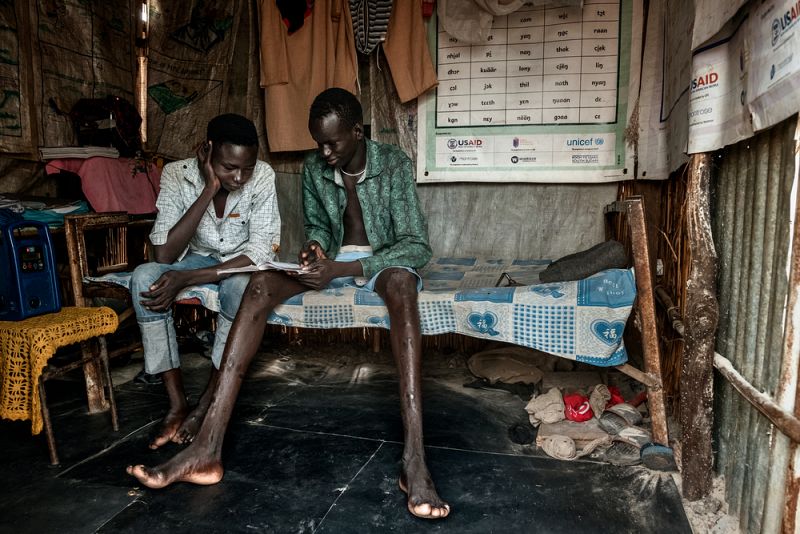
column 370, row 20
column 294, row 13
column 296, row 68
column 407, row 51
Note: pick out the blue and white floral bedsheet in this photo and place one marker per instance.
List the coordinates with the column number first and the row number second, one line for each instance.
column 581, row 320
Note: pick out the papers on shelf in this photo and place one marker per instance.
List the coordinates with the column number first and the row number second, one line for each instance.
column 81, row 152
column 268, row 266
column 66, row 208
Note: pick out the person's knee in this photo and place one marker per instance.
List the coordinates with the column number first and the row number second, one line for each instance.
column 231, row 291
column 401, row 286
column 260, row 291
column 144, row 275
column 399, row 292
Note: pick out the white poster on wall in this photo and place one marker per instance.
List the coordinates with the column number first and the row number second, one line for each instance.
column 663, row 102
column 544, row 100
column 710, row 16
column 718, row 112
column 774, row 82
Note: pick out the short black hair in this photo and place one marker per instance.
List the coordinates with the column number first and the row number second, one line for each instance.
column 340, row 102
column 233, row 129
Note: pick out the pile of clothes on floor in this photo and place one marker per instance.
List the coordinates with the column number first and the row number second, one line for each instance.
column 571, row 413
column 575, row 423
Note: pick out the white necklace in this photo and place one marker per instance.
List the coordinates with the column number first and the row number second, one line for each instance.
column 359, row 173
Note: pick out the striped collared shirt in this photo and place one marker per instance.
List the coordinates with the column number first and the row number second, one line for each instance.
column 250, row 225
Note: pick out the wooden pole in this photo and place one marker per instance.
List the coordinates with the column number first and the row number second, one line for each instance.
column 701, row 317
column 647, row 316
column 787, row 423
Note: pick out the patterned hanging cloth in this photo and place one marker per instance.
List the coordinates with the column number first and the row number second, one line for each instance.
column 370, row 20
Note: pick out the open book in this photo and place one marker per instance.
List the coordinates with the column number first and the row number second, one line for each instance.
column 267, row 266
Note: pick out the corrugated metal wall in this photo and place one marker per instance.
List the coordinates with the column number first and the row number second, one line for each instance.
column 751, row 232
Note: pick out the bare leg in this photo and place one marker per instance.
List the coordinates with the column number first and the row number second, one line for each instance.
column 173, row 382
column 191, row 425
column 201, row 462
column 398, row 289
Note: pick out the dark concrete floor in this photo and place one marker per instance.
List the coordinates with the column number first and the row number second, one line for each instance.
column 314, row 446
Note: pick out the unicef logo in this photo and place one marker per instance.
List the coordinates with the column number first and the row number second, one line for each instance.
column 514, row 159
column 452, row 143
column 599, row 141
column 776, row 30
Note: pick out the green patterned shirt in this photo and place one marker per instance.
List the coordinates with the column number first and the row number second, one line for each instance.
column 393, row 219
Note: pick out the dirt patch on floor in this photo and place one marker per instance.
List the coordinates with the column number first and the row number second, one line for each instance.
column 710, row 514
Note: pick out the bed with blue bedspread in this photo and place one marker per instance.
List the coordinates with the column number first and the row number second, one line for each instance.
column 581, row 320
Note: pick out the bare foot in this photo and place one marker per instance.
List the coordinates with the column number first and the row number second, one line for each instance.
column 423, row 501
column 191, row 425
column 185, row 466
column 169, row 428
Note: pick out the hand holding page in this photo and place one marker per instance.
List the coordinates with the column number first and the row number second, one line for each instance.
column 267, row 266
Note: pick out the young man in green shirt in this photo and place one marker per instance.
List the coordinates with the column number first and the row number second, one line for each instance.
column 361, row 208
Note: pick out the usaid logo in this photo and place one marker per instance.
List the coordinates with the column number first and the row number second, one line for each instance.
column 702, row 82
column 784, row 23
column 452, row 144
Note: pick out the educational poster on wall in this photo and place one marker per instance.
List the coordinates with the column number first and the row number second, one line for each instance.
column 544, row 100
column 774, row 82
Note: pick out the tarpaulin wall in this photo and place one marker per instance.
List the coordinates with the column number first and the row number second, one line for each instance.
column 202, row 63
column 59, row 52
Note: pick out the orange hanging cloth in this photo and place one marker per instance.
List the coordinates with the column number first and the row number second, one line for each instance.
column 407, row 51
column 296, row 67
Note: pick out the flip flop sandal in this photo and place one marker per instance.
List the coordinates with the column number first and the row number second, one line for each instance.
column 404, row 489
column 628, row 412
column 658, row 457
column 148, row 379
column 612, row 423
column 622, row 453
column 635, row 436
column 618, row 417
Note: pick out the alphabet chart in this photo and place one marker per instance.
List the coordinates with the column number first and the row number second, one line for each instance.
column 547, row 91
column 542, row 65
